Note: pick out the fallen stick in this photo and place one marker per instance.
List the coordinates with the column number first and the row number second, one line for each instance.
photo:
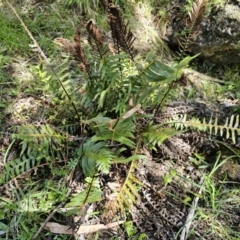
column 191, row 212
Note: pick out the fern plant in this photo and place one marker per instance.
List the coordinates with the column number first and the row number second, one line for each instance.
column 112, row 85
column 101, row 109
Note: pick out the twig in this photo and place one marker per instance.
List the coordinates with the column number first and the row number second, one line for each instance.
column 51, row 215
column 44, row 57
column 191, row 212
column 69, row 179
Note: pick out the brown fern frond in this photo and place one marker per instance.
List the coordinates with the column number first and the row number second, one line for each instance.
column 79, row 53
column 122, row 37
column 193, row 22
column 95, row 39
column 196, row 15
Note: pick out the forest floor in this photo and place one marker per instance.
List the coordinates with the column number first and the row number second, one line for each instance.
column 188, row 185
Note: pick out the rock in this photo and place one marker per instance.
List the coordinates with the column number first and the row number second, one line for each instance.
column 231, row 169
column 218, row 36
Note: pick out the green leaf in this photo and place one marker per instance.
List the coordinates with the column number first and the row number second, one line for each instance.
column 157, row 134
column 79, row 199
column 173, row 172
column 99, row 119
column 3, row 226
column 122, row 132
column 159, row 71
column 95, row 156
column 129, row 159
column 88, row 153
column 183, row 64
column 187, row 200
column 167, row 178
column 24, row 147
column 102, row 97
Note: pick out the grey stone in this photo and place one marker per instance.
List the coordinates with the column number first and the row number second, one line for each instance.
column 218, row 36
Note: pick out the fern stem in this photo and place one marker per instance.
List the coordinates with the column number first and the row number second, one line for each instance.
column 163, row 99
column 78, row 223
column 116, row 123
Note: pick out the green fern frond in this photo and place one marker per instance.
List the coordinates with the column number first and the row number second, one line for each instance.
column 17, row 167
column 111, row 83
column 156, row 134
column 105, row 130
column 89, row 195
column 70, row 128
column 41, row 141
column 123, row 133
column 95, row 156
column 18, row 170
column 230, row 129
column 158, row 71
column 36, row 143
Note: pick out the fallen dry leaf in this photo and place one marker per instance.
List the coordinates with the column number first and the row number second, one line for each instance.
column 62, row 229
column 132, row 111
